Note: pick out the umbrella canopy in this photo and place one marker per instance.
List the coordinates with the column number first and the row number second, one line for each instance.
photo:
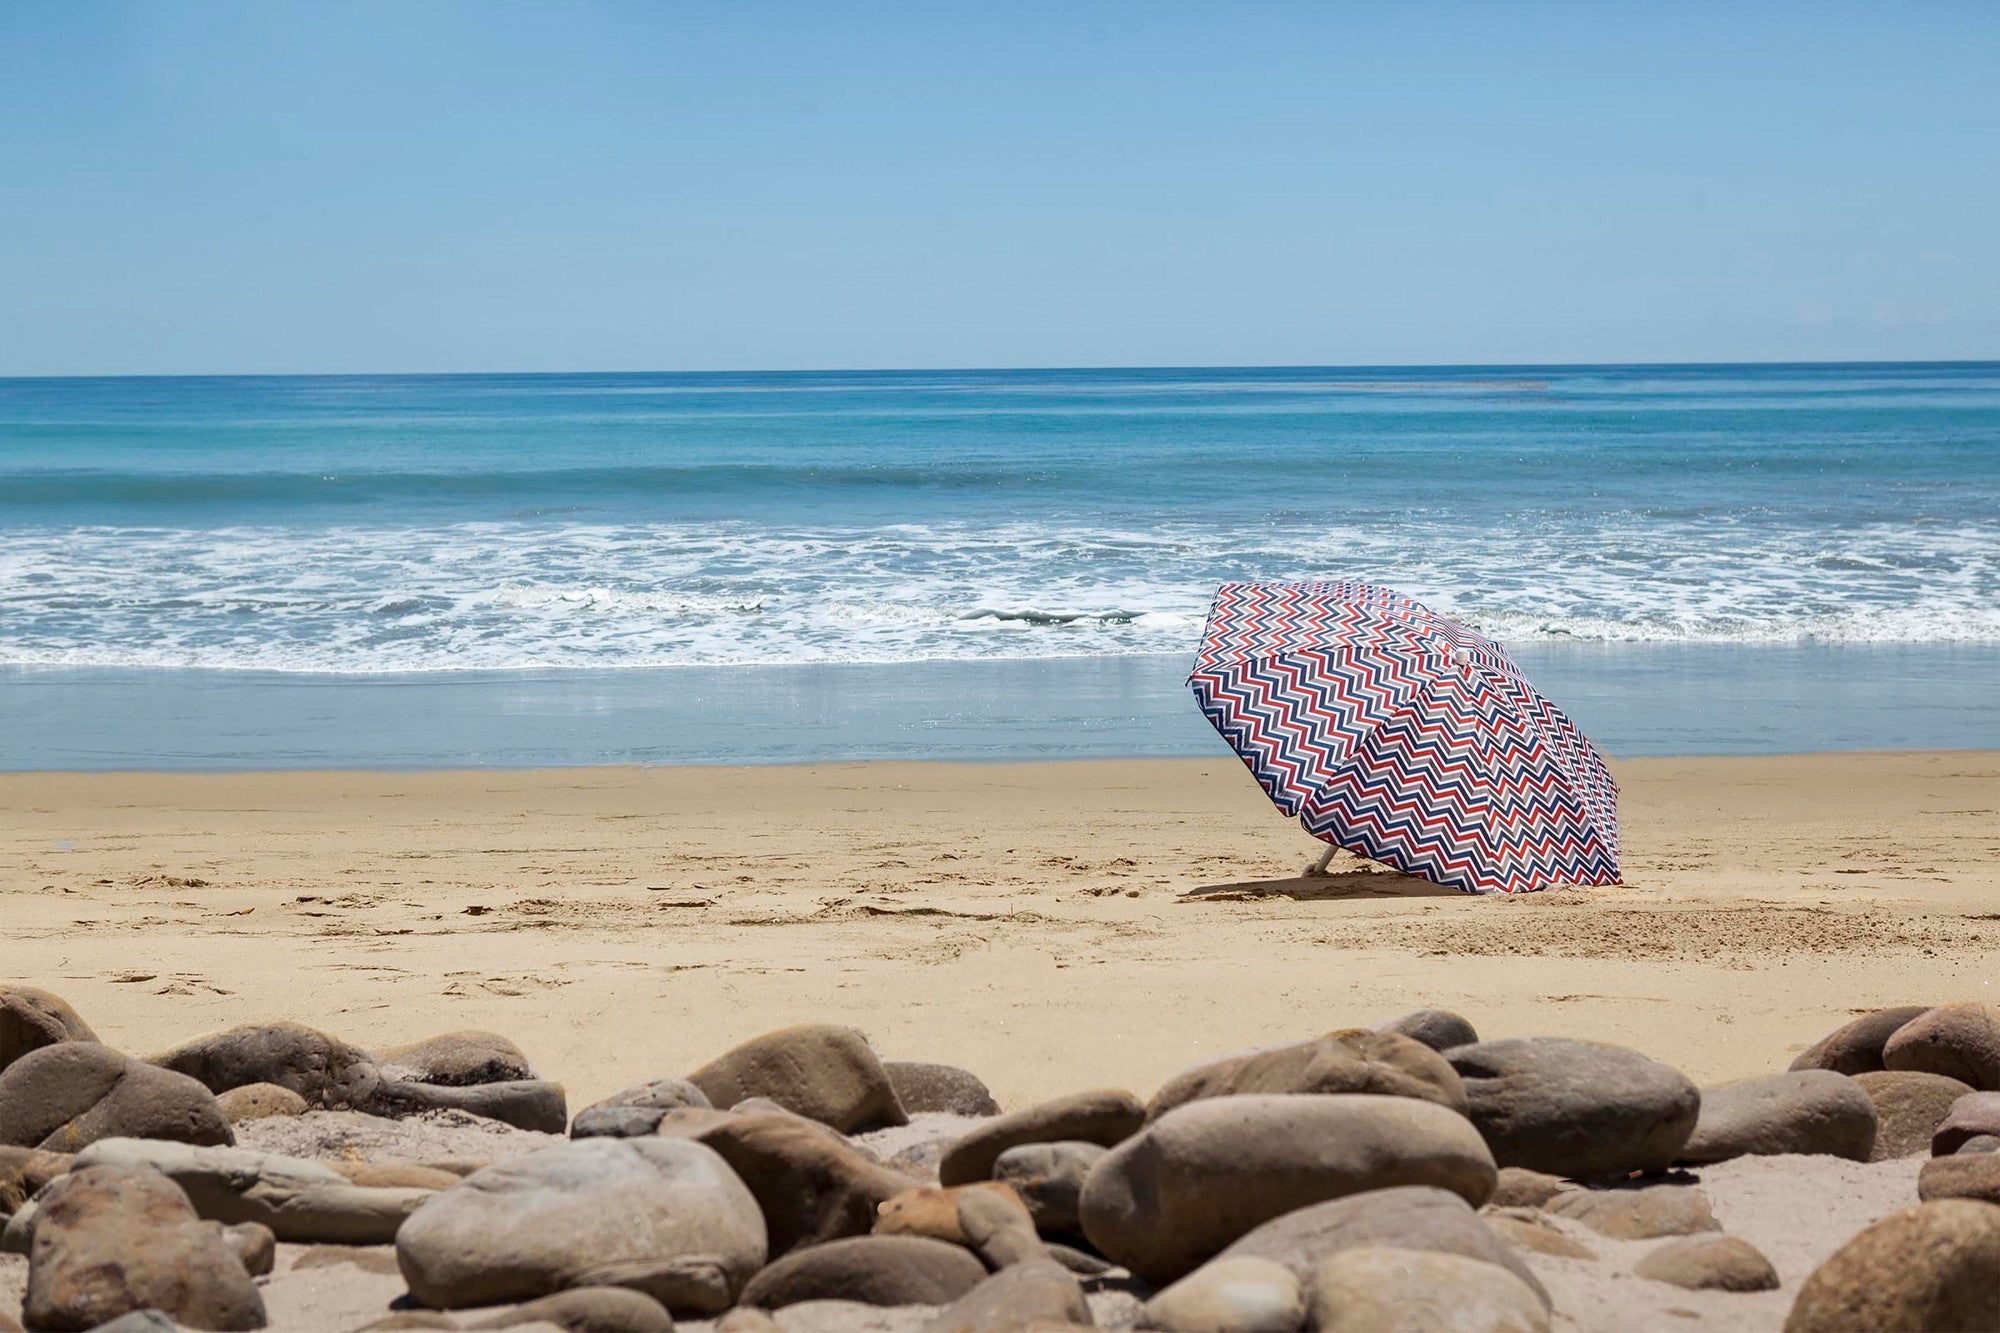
column 1401, row 735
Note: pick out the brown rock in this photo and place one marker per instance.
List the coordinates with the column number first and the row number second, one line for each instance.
column 1979, row 1143
column 933, row 1211
column 532, row 1104
column 811, row 1186
column 638, row 1110
column 380, row 1259
column 997, row 1228
column 1805, row 1111
column 1961, row 1176
column 1231, row 1296
column 397, row 1175
column 1973, row 1116
column 1577, row 1109
column 1379, row 1290
column 1412, row 1217
column 1385, row 1063
column 31, row 1019
column 662, row 1216
column 1202, row 1175
column 922, row 1087
column 1709, row 1263
column 1641, row 1213
column 253, row 1245
column 826, row 1073
column 1519, row 1187
column 1935, row 1267
column 1049, row 1178
column 458, row 1060
column 1909, row 1107
column 1532, row 1229
column 259, row 1101
column 1439, row 1029
column 1857, row 1047
column 1960, row 1041
column 586, row 1310
column 325, row 1071
column 25, row 1170
column 872, row 1270
column 109, row 1241
column 1012, row 1299
column 1104, row 1117
column 66, row 1096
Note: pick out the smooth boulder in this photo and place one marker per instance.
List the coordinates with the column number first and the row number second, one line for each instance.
column 1709, row 1263
column 1411, row 1217
column 458, row 1060
column 1013, row 1298
column 1806, row 1111
column 586, row 1310
column 1934, row 1267
column 1201, row 1176
column 818, row 1070
column 923, row 1088
column 1230, row 1296
column 1856, row 1048
column 110, row 1241
column 869, row 1270
column 1975, row 1115
column 326, row 1071
column 1383, row 1063
column 69, row 1095
column 1372, row 1289
column 810, row 1186
column 1534, row 1230
column 1576, row 1109
column 31, row 1019
column 1049, row 1178
column 1642, row 1213
column 532, row 1104
column 666, row 1217
column 1961, row 1176
column 259, row 1101
column 1101, row 1116
column 1439, row 1029
column 1960, row 1041
column 1909, row 1107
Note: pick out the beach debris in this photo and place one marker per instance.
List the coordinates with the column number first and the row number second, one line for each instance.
column 1576, row 1109
column 666, row 1217
column 1909, row 1107
column 1935, row 1266
column 1354, row 1060
column 819, row 1070
column 1799, row 1111
column 1104, row 1116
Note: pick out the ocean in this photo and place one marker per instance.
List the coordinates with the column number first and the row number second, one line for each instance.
column 398, row 571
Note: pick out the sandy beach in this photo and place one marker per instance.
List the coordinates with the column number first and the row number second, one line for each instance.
column 1046, row 925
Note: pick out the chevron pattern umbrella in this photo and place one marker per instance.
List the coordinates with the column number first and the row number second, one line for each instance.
column 1401, row 735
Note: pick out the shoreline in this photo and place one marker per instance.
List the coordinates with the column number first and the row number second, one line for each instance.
column 1029, row 921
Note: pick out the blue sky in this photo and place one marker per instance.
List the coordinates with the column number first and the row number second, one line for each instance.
column 192, row 187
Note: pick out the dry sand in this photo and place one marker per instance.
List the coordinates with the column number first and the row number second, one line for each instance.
column 1047, row 925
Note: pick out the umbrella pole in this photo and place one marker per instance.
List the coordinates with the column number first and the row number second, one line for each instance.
column 1318, row 868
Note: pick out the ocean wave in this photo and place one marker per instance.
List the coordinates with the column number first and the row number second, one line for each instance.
column 511, row 596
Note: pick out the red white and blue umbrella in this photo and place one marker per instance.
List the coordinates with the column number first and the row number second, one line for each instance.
column 1403, row 736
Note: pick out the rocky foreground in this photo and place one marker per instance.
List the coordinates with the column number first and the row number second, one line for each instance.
column 1405, row 1177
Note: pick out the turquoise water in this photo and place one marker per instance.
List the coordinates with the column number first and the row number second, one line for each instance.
column 575, row 568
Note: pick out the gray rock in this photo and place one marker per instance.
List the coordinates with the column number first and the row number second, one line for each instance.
column 1049, row 1178
column 1812, row 1112
column 1103, row 1117
column 1439, row 1029
column 1381, row 1290
column 31, row 1019
column 1013, row 1298
column 1960, row 1041
column 301, row 1201
column 1976, row 1115
column 1641, row 1213
column 586, row 1310
column 871, row 1270
column 1932, row 1267
column 324, row 1070
column 1200, row 1176
column 65, row 1096
column 922, row 1087
column 665, row 1217
column 1411, row 1217
column 1963, row 1175
column 1709, row 1263
column 1909, row 1107
column 1856, row 1048
column 1231, row 1296
column 1384, row 1063
column 531, row 1104
column 109, row 1241
column 818, row 1070
column 1978, row 1143
column 458, row 1060
column 618, row 1122
column 1576, row 1109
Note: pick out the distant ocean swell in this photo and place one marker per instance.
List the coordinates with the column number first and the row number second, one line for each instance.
column 366, row 599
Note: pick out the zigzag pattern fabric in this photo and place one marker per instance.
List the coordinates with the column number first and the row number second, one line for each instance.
column 1403, row 736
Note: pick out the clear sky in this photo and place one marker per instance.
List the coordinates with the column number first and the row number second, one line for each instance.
column 201, row 187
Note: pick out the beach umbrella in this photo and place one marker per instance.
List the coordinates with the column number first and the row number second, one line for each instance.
column 1401, row 735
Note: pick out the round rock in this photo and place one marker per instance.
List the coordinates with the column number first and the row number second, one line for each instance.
column 1961, row 1176
column 1103, row 1117
column 1960, row 1041
column 1856, row 1048
column 824, row 1072
column 31, row 1019
column 69, row 1095
column 923, row 1087
column 1384, row 1063
column 1976, row 1115
column 1811, row 1112
column 1709, row 1263
column 870, row 1270
column 259, row 1101
column 1576, row 1109
column 1231, row 1296
column 1909, row 1107
column 460, row 1059
column 1642, row 1213
column 1439, row 1029
column 324, row 1070
column 1378, row 1290
column 1049, row 1178
column 1932, row 1267
column 1014, row 1299
column 1201, row 1176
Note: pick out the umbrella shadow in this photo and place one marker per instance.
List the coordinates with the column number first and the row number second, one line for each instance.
column 1314, row 888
